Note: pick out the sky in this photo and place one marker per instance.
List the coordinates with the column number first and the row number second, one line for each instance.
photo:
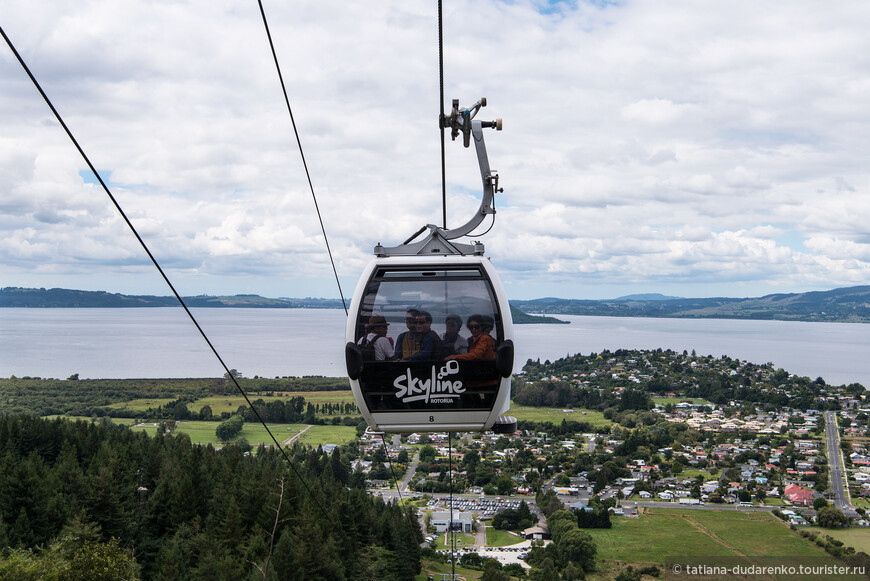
column 692, row 149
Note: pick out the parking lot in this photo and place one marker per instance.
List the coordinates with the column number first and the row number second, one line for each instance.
column 484, row 508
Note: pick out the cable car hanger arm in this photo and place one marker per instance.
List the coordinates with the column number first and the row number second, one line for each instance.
column 438, row 240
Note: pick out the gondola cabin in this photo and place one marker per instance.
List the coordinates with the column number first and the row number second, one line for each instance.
column 430, row 345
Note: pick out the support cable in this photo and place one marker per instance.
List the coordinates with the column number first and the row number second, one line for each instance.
column 163, row 274
column 450, row 483
column 442, row 121
column 302, row 153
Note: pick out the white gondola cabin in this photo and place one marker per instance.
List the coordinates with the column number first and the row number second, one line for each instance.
column 425, row 385
column 429, row 340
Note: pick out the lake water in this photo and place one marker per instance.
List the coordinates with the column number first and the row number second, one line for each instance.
column 162, row 342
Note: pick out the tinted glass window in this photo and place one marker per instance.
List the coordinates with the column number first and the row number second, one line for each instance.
column 433, row 316
column 462, row 291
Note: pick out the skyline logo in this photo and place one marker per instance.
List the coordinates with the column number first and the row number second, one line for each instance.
column 434, row 389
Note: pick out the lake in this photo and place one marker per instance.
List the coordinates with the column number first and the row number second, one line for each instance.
column 162, row 342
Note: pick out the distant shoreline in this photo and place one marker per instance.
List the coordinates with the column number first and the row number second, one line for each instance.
column 842, row 305
column 28, row 298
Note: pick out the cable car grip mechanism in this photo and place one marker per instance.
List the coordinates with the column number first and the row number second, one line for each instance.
column 438, row 241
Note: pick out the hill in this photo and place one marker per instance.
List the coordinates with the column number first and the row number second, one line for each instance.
column 40, row 298
column 850, row 305
column 521, row 318
column 646, row 297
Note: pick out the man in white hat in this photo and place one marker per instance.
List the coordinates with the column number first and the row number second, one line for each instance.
column 375, row 345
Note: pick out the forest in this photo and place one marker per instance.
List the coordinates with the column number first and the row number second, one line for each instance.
column 83, row 500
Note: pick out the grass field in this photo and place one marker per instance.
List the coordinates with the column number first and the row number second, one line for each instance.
column 230, row 403
column 676, row 400
column 317, row 435
column 462, row 540
column 498, row 538
column 694, row 472
column 204, row 432
column 858, row 538
column 141, row 404
column 662, row 533
column 255, row 434
column 773, row 501
column 556, row 415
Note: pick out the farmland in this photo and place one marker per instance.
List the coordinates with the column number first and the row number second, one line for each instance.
column 659, row 534
column 255, row 434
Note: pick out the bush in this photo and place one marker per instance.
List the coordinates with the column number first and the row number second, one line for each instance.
column 230, row 428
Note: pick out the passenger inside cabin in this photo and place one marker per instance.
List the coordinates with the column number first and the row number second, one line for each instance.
column 451, row 341
column 408, row 343
column 430, row 342
column 376, row 346
column 481, row 345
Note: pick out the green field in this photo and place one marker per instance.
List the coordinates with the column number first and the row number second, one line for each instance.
column 556, row 415
column 317, row 435
column 255, row 434
column 498, row 538
column 773, row 501
column 442, row 541
column 141, row 404
column 662, row 533
column 118, row 421
column 694, row 472
column 204, row 432
column 858, row 538
column 676, row 400
column 230, row 403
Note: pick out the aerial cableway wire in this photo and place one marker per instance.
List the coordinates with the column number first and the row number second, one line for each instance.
column 166, row 278
column 301, row 152
column 442, row 122
column 317, row 207
column 441, row 119
column 319, row 217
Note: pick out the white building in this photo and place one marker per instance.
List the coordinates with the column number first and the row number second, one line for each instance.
column 461, row 521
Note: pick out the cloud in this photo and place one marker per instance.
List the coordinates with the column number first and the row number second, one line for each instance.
column 653, row 112
column 644, row 144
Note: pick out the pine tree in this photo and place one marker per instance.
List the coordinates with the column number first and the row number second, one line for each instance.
column 231, row 533
column 285, row 562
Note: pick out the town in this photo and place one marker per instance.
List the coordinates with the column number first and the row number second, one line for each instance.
column 639, row 430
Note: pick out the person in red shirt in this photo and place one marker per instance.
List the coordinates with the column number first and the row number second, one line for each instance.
column 481, row 345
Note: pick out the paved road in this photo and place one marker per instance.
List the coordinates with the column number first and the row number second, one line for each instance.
column 406, row 480
column 835, row 462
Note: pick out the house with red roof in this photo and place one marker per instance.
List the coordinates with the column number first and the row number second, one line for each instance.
column 798, row 495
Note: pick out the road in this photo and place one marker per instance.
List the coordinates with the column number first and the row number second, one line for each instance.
column 290, row 441
column 835, row 462
column 406, row 479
